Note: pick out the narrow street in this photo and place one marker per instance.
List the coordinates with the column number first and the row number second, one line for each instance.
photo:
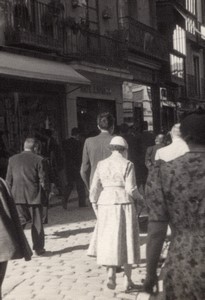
column 65, row 272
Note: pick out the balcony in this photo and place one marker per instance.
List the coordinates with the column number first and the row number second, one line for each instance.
column 143, row 39
column 92, row 47
column 34, row 25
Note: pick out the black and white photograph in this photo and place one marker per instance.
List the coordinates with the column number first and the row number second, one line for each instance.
column 102, row 149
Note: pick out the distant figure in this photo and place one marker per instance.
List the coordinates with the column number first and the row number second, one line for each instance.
column 151, row 150
column 97, row 148
column 112, row 194
column 147, row 140
column 177, row 148
column 28, row 181
column 73, row 149
column 13, row 243
column 175, row 194
column 135, row 150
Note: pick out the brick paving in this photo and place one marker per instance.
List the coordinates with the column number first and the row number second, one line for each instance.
column 65, row 272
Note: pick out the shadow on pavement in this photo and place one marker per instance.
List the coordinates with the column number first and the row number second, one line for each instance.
column 66, row 250
column 67, row 233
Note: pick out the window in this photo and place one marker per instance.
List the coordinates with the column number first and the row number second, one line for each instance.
column 191, row 6
column 196, row 75
column 92, row 16
column 190, row 26
column 179, row 40
column 177, row 66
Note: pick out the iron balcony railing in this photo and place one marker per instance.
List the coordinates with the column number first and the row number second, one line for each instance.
column 143, row 39
column 93, row 47
column 34, row 24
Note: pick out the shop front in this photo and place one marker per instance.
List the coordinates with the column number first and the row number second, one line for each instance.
column 104, row 94
column 33, row 98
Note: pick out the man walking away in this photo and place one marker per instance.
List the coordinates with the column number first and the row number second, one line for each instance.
column 28, row 180
column 73, row 156
column 97, row 148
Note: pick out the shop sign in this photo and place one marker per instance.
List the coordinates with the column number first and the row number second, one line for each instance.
column 96, row 89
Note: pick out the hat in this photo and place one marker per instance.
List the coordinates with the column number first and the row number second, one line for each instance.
column 119, row 141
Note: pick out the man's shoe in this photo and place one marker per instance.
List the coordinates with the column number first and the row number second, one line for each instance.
column 40, row 252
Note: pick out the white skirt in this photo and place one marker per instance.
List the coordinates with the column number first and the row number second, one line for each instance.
column 115, row 240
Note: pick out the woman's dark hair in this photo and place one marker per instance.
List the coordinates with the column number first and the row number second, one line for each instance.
column 117, row 148
column 193, row 128
column 105, row 121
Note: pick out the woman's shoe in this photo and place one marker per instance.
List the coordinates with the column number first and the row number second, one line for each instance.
column 111, row 284
column 151, row 286
column 131, row 287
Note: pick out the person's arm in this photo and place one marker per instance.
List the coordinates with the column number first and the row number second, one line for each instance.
column 85, row 166
column 95, row 190
column 43, row 175
column 130, row 183
column 9, row 177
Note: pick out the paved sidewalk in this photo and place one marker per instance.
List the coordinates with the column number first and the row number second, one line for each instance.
column 65, row 272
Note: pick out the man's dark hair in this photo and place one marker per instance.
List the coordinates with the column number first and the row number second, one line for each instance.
column 124, row 128
column 193, row 128
column 105, row 121
column 75, row 131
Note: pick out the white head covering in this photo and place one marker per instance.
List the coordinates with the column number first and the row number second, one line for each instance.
column 119, row 141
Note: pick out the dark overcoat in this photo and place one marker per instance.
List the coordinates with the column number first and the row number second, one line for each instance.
column 95, row 149
column 13, row 243
column 27, row 177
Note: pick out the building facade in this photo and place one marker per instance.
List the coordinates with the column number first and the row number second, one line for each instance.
column 62, row 62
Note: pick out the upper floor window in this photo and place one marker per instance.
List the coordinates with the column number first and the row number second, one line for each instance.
column 179, row 40
column 177, row 66
column 191, row 6
column 92, row 16
column 190, row 26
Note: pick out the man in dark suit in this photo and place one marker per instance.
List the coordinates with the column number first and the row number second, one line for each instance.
column 97, row 148
column 28, row 180
column 72, row 148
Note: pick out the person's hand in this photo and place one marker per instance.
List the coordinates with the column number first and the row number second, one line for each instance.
column 150, row 284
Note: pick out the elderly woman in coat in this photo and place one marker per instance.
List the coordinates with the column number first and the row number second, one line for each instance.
column 112, row 195
column 13, row 243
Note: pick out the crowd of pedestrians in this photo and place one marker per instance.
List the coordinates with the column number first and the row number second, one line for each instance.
column 120, row 172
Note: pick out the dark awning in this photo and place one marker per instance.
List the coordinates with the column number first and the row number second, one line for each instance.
column 40, row 69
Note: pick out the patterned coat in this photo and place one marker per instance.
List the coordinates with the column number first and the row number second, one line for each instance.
column 175, row 193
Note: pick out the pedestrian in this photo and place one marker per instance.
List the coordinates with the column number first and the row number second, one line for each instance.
column 13, row 243
column 73, row 148
column 97, row 148
column 28, row 180
column 151, row 150
column 177, row 147
column 175, row 193
column 112, row 194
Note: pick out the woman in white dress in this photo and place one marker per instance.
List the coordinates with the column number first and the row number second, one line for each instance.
column 112, row 194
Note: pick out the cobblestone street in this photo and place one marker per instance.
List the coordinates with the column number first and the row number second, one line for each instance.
column 65, row 272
